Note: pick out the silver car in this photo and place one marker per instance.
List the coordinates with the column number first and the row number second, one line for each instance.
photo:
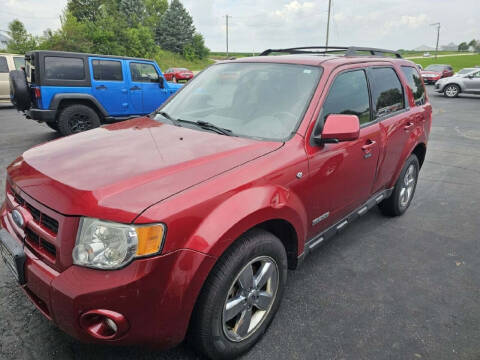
column 467, row 83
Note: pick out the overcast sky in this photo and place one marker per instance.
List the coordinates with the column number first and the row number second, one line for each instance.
column 260, row 24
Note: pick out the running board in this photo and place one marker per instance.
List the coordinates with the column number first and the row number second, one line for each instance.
column 340, row 225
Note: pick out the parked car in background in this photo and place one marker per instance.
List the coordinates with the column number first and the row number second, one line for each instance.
column 434, row 72
column 426, row 54
column 8, row 62
column 184, row 223
column 178, row 74
column 467, row 83
column 73, row 92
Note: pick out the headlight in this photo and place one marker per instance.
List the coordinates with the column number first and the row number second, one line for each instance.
column 108, row 245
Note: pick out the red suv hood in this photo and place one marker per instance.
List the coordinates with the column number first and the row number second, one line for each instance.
column 117, row 171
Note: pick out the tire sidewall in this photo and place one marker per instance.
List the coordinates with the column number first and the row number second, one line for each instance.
column 260, row 244
column 19, row 90
column 399, row 210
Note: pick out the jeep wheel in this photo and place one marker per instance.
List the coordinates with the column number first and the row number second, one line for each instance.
column 240, row 297
column 77, row 118
column 19, row 91
column 451, row 90
column 404, row 189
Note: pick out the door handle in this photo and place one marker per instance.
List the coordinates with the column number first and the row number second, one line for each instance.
column 369, row 145
column 408, row 126
column 101, row 87
column 135, row 88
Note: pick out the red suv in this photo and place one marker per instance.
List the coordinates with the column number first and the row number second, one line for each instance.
column 185, row 222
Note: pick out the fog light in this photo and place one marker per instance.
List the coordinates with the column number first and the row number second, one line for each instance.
column 104, row 324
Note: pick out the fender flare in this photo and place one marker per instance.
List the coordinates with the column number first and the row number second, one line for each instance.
column 245, row 210
column 405, row 156
column 58, row 98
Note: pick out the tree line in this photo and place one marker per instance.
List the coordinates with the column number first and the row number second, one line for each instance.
column 137, row 28
column 464, row 46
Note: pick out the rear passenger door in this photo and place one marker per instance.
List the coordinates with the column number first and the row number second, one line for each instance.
column 472, row 83
column 396, row 123
column 147, row 86
column 4, row 82
column 108, row 85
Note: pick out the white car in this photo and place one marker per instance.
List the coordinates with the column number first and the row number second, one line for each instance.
column 427, row 54
column 8, row 62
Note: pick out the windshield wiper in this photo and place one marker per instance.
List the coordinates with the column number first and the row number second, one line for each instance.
column 167, row 116
column 208, row 126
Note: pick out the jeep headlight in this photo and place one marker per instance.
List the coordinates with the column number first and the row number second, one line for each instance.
column 108, row 245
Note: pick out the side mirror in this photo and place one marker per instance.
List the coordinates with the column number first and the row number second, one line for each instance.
column 339, row 128
column 161, row 82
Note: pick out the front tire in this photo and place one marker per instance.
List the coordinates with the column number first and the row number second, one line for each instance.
column 451, row 91
column 240, row 296
column 77, row 118
column 404, row 189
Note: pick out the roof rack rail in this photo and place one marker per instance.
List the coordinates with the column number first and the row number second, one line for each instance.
column 349, row 51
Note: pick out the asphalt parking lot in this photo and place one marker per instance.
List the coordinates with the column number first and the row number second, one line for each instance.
column 402, row 288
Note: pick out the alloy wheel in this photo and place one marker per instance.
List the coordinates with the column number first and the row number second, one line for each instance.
column 79, row 122
column 250, row 298
column 451, row 91
column 408, row 186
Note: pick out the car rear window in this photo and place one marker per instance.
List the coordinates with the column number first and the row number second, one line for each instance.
column 19, row 62
column 109, row 70
column 387, row 91
column 415, row 84
column 64, row 68
column 3, row 64
column 348, row 95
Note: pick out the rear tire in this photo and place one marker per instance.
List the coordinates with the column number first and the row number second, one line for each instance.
column 404, row 189
column 19, row 90
column 52, row 125
column 77, row 118
column 451, row 91
column 221, row 331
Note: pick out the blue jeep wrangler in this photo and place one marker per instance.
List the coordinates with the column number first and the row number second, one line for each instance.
column 73, row 92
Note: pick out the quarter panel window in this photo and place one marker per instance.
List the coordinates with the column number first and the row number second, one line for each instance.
column 143, row 72
column 63, row 68
column 3, row 64
column 107, row 70
column 348, row 95
column 19, row 62
column 387, row 91
column 415, row 84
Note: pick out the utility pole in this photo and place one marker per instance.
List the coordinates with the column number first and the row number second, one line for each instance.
column 226, row 20
column 438, row 36
column 328, row 23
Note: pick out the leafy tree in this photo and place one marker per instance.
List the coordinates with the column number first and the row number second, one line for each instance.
column 72, row 36
column 20, row 40
column 176, row 28
column 463, row 46
column 196, row 49
column 154, row 9
column 85, row 10
column 472, row 43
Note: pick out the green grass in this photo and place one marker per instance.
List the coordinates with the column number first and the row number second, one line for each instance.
column 166, row 59
column 457, row 62
column 220, row 55
column 407, row 53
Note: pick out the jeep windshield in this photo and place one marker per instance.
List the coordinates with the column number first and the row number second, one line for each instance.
column 258, row 100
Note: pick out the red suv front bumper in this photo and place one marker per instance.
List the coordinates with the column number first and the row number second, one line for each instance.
column 155, row 296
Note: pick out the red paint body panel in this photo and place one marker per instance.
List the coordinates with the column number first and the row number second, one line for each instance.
column 206, row 188
column 179, row 75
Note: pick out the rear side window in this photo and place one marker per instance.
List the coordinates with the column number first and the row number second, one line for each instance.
column 387, row 91
column 415, row 84
column 3, row 64
column 143, row 72
column 348, row 95
column 108, row 70
column 19, row 62
column 63, row 68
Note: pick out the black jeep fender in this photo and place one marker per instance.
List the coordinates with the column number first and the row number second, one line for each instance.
column 59, row 98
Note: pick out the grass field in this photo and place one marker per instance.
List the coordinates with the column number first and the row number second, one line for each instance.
column 457, row 62
column 167, row 59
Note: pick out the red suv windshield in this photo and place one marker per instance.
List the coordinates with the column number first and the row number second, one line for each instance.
column 259, row 100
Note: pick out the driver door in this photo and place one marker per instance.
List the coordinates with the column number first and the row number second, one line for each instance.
column 342, row 174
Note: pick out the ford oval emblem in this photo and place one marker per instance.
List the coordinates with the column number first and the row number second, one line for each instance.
column 18, row 218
